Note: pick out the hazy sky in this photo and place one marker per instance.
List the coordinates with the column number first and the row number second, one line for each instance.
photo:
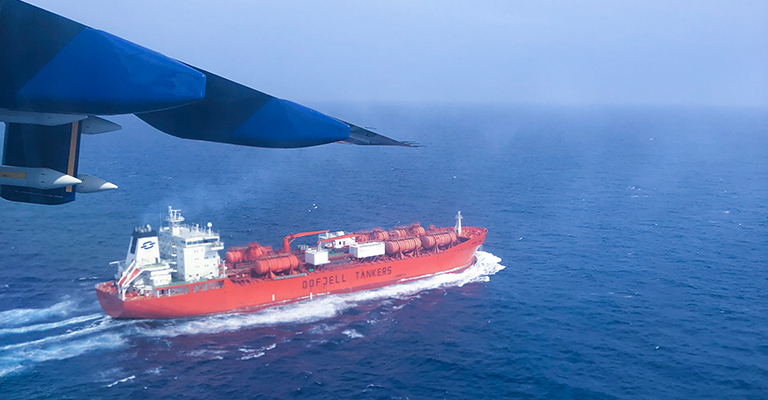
column 520, row 52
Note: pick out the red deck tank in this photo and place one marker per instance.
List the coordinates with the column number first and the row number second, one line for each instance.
column 275, row 264
column 255, row 252
column 379, row 235
column 439, row 239
column 417, row 229
column 401, row 245
column 399, row 233
column 233, row 256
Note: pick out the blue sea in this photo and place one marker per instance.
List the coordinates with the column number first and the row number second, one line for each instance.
column 627, row 258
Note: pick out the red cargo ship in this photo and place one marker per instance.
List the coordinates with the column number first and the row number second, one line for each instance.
column 177, row 272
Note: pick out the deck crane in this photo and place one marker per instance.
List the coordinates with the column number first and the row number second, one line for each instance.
column 293, row 236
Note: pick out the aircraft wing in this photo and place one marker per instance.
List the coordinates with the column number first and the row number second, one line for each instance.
column 236, row 114
column 57, row 75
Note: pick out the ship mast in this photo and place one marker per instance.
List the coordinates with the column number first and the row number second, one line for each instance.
column 174, row 219
column 458, row 223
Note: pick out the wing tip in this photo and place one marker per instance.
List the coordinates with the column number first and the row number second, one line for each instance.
column 366, row 137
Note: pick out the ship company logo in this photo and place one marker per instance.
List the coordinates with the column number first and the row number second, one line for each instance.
column 148, row 245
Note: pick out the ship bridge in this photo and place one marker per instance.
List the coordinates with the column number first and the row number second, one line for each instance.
column 191, row 249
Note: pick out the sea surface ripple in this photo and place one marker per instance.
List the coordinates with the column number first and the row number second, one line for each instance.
column 626, row 259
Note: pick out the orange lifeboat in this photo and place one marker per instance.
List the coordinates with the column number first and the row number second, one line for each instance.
column 401, row 245
column 275, row 264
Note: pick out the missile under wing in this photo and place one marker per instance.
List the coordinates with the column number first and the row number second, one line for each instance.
column 57, row 75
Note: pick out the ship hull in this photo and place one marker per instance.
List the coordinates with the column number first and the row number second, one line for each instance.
column 233, row 295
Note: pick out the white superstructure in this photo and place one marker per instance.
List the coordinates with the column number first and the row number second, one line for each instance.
column 179, row 252
column 192, row 251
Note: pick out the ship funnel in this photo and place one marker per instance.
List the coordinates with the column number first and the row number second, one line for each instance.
column 143, row 248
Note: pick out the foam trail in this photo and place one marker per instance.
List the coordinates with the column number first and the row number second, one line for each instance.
column 14, row 361
column 77, row 340
column 251, row 353
column 121, row 380
column 104, row 324
column 49, row 326
column 328, row 306
column 352, row 334
column 21, row 316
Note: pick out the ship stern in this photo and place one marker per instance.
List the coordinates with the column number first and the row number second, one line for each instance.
column 109, row 299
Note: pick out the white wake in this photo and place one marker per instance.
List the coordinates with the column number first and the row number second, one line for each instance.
column 51, row 325
column 328, row 306
column 21, row 316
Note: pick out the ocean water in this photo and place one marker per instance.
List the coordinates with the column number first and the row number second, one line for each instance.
column 626, row 258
